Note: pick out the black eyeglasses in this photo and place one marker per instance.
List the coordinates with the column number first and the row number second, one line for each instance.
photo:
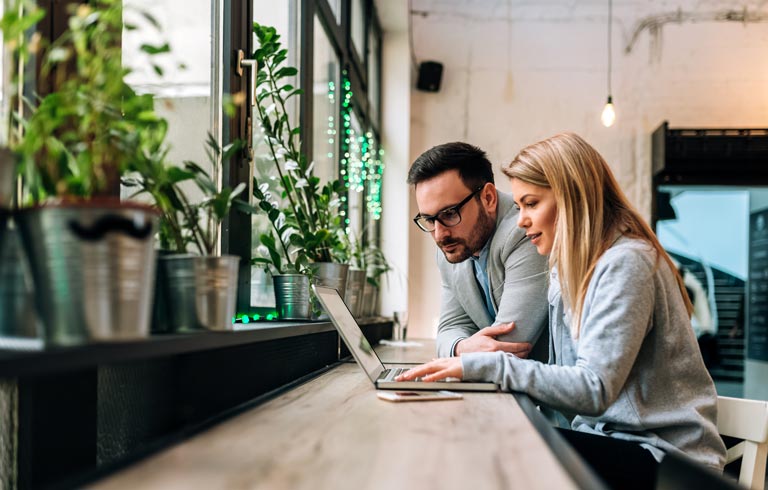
column 447, row 217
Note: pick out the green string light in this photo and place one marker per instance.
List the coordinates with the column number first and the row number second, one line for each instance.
column 362, row 165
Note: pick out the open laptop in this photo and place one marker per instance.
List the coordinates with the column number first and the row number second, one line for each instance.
column 366, row 357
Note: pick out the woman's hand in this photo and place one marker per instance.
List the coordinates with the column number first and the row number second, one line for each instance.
column 447, row 367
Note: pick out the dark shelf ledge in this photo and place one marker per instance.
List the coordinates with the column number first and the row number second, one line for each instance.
column 22, row 357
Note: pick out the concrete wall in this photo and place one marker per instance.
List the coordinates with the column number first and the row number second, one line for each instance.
column 516, row 72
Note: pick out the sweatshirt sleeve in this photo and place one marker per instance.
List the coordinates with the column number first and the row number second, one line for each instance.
column 616, row 317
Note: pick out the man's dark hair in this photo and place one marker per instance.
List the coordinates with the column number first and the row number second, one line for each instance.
column 474, row 168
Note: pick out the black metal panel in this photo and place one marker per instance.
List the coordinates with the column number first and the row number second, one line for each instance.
column 680, row 155
column 136, row 405
column 214, row 381
column 57, row 427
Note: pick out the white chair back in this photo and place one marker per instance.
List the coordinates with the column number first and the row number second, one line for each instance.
column 748, row 420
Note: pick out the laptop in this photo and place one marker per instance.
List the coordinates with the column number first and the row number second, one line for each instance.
column 366, row 357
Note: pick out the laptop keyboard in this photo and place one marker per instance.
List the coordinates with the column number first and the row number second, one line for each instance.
column 392, row 373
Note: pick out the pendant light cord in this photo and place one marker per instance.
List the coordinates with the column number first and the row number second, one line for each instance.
column 610, row 21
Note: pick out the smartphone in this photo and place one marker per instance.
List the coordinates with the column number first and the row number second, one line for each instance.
column 417, row 396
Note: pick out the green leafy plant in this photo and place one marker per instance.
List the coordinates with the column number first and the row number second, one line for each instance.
column 93, row 127
column 184, row 222
column 16, row 22
column 308, row 228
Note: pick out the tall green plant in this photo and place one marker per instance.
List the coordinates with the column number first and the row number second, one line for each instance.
column 81, row 137
column 309, row 228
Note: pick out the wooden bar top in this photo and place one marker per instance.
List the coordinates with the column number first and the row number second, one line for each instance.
column 333, row 432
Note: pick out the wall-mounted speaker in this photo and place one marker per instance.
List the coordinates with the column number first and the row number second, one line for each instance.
column 430, row 74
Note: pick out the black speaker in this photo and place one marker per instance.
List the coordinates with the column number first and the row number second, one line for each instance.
column 430, row 74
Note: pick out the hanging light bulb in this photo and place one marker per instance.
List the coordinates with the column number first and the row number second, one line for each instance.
column 609, row 115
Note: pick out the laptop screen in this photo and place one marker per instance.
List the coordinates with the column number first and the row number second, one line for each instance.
column 350, row 331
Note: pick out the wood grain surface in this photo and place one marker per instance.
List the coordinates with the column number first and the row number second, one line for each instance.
column 333, row 432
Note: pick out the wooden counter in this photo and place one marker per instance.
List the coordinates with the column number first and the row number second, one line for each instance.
column 333, row 432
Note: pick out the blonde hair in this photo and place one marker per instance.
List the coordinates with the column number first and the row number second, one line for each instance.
column 591, row 211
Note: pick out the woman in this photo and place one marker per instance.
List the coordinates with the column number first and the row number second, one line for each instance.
column 624, row 362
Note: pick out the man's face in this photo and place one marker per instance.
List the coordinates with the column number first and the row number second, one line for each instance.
column 478, row 215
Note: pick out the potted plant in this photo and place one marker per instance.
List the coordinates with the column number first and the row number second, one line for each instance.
column 307, row 228
column 197, row 290
column 91, row 255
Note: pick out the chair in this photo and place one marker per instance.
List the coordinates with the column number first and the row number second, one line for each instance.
column 748, row 420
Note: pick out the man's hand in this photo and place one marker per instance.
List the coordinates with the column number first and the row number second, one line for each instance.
column 485, row 341
column 446, row 367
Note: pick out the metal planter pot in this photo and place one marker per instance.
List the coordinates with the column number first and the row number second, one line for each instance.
column 330, row 275
column 354, row 294
column 17, row 309
column 194, row 293
column 292, row 296
column 370, row 300
column 216, row 290
column 175, row 307
column 93, row 268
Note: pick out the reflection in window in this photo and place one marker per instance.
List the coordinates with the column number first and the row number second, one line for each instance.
column 283, row 16
column 336, row 9
column 358, row 27
column 325, row 92
column 373, row 76
column 183, row 90
column 373, row 190
column 355, row 153
column 706, row 231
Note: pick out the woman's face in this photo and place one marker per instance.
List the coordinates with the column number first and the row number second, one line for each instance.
column 538, row 213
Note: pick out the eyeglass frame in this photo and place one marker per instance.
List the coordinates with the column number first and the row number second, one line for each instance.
column 436, row 217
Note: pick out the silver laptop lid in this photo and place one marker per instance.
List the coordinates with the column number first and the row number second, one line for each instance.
column 350, row 331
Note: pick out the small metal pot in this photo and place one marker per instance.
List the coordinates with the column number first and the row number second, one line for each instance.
column 354, row 295
column 175, row 307
column 292, row 296
column 216, row 290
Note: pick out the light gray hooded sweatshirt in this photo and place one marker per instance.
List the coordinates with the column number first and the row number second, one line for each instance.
column 635, row 372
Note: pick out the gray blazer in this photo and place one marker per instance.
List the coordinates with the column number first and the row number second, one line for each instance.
column 517, row 276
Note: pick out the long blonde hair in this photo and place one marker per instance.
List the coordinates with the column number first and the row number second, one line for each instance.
column 591, row 211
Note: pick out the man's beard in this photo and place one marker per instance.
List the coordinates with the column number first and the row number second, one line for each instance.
column 466, row 248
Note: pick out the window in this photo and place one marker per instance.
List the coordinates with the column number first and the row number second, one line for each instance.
column 326, row 92
column 357, row 27
column 285, row 20
column 183, row 92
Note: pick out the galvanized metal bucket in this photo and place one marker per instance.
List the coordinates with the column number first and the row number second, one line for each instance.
column 370, row 300
column 354, row 295
column 175, row 307
column 292, row 296
column 17, row 310
column 330, row 275
column 93, row 265
column 216, row 290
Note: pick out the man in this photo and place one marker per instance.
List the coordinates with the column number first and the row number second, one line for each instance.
column 494, row 284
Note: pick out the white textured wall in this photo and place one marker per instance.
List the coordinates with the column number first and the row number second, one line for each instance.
column 519, row 71
column 395, row 136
